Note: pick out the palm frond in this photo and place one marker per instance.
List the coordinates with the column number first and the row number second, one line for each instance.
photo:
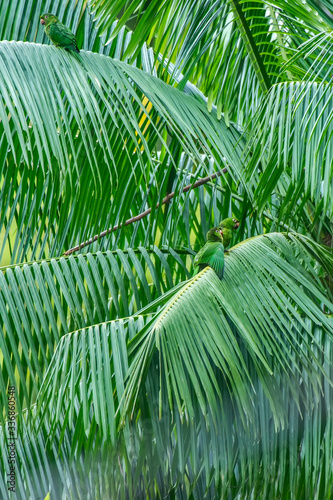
column 294, row 138
column 63, row 115
column 157, row 455
column 200, row 336
column 262, row 319
column 131, row 382
column 269, row 301
column 71, row 293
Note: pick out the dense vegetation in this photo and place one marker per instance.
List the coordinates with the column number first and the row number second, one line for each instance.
column 132, row 379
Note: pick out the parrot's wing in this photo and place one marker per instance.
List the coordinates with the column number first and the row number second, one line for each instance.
column 216, row 259
column 61, row 35
column 197, row 258
column 212, row 255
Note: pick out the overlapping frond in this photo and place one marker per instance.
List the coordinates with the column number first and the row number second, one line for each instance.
column 150, row 385
column 41, row 302
column 77, row 128
column 262, row 294
column 214, row 369
column 293, row 138
column 265, row 296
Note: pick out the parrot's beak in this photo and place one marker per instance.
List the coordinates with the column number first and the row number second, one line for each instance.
column 236, row 225
column 42, row 21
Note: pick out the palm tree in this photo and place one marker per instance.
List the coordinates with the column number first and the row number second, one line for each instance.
column 132, row 379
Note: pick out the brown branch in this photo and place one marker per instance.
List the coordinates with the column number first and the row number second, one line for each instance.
column 169, row 197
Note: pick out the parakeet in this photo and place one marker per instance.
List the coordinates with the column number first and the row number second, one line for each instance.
column 227, row 226
column 211, row 254
column 58, row 33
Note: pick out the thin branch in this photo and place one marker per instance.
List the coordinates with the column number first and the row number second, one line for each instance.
column 169, row 197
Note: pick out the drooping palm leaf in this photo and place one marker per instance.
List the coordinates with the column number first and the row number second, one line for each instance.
column 76, row 113
column 266, row 294
column 280, row 290
column 228, row 48
column 252, row 268
column 41, row 302
column 213, row 455
column 294, row 137
column 158, row 455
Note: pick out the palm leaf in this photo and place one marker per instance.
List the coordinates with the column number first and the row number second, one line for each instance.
column 280, row 290
column 89, row 112
column 71, row 293
column 158, row 455
column 266, row 298
column 295, row 138
column 150, row 386
column 252, row 268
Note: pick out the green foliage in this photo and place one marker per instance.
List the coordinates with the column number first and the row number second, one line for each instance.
column 132, row 379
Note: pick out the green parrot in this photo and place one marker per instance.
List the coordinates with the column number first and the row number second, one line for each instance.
column 227, row 226
column 58, row 33
column 211, row 254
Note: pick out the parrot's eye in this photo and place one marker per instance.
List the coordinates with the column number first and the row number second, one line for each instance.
column 235, row 220
column 45, row 17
